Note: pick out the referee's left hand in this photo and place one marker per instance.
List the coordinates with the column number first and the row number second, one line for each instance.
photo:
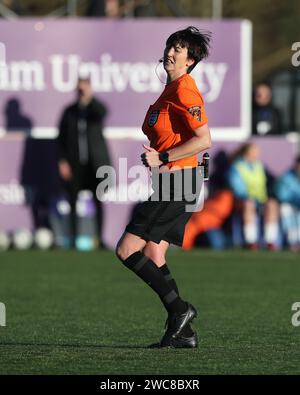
column 150, row 158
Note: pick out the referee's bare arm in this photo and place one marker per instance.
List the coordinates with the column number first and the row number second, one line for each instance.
column 196, row 144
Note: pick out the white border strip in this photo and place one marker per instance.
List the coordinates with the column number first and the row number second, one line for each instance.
column 246, row 78
column 121, row 133
column 218, row 134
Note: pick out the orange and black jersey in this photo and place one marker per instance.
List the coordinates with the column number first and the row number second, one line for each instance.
column 172, row 119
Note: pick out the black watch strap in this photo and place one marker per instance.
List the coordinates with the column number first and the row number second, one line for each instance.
column 164, row 157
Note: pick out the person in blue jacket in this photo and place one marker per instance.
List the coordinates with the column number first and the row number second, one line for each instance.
column 288, row 194
column 248, row 181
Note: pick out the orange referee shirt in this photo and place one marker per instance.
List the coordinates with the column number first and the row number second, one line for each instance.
column 172, row 119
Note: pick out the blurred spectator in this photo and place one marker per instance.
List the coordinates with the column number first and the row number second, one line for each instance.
column 14, row 5
column 118, row 9
column 217, row 208
column 96, row 8
column 288, row 193
column 16, row 120
column 143, row 8
column 112, row 8
column 109, row 8
column 82, row 148
column 266, row 118
column 248, row 181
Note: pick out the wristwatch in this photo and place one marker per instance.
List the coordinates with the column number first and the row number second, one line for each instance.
column 164, row 157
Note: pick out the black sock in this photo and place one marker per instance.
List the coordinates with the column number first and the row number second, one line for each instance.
column 146, row 269
column 168, row 276
column 187, row 331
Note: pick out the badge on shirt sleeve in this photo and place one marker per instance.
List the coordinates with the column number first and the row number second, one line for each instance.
column 153, row 117
column 195, row 111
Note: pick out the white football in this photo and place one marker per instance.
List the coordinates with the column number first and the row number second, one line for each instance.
column 4, row 241
column 43, row 238
column 22, row 239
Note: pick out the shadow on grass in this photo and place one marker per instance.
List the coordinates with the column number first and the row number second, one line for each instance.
column 64, row 345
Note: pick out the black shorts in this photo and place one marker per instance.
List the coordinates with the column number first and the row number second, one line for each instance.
column 162, row 219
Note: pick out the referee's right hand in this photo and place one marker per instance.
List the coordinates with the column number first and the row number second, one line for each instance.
column 150, row 158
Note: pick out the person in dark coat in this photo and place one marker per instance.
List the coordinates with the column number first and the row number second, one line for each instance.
column 82, row 148
column 266, row 119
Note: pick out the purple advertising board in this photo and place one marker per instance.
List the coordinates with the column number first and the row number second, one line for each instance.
column 121, row 58
column 21, row 165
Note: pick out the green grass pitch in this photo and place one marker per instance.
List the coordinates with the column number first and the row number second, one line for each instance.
column 84, row 313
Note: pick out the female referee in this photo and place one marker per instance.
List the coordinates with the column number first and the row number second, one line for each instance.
column 176, row 126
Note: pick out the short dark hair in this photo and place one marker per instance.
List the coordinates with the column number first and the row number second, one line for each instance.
column 263, row 83
column 196, row 41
